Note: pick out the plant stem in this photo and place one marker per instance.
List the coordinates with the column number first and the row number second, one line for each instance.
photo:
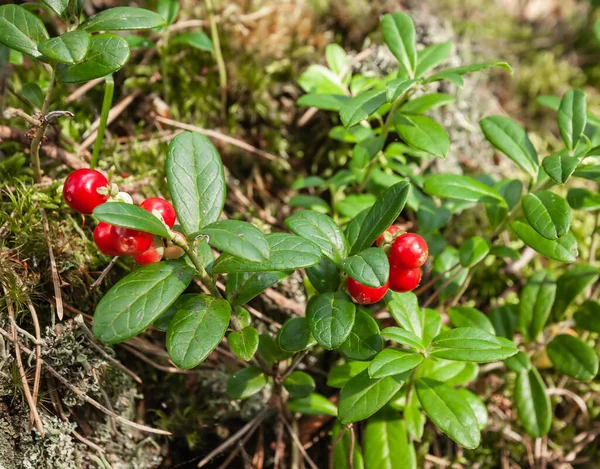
column 109, row 88
column 214, row 33
column 200, row 270
column 594, row 243
column 41, row 131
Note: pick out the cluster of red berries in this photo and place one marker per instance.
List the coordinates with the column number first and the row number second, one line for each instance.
column 407, row 253
column 85, row 189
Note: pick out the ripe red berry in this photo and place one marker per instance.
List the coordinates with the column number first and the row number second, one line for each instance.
column 402, row 280
column 391, row 230
column 409, row 251
column 132, row 242
column 81, row 190
column 163, row 207
column 363, row 294
column 151, row 255
column 104, row 237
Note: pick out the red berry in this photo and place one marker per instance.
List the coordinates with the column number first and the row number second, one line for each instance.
column 163, row 207
column 409, row 251
column 104, row 237
column 365, row 295
column 402, row 280
column 81, row 190
column 132, row 242
column 391, row 230
column 153, row 254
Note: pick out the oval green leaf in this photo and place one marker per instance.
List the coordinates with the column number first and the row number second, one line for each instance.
column 369, row 267
column 560, row 166
column 360, row 107
column 196, row 181
column 588, row 316
column 547, row 213
column 321, row 230
column 537, row 297
column 466, row 316
column 330, row 318
column 473, row 251
column 313, row 404
column 295, row 335
column 244, row 286
column 364, row 341
column 238, row 238
column 454, row 186
column 571, row 284
column 386, row 443
column 583, row 199
column 136, row 300
column 130, row 216
column 404, row 308
column 399, row 35
column 573, row 357
column 422, row 133
column 471, row 344
column 402, row 336
column 196, row 330
column 246, row 383
column 571, row 117
column 324, row 276
column 243, row 343
column 390, row 362
column 69, row 48
column 562, row 249
column 123, row 18
column 533, row 404
column 299, row 384
column 21, row 30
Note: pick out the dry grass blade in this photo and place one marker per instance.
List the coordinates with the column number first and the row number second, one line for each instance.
column 55, row 277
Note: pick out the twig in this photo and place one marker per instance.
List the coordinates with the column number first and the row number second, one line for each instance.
column 53, row 268
column 41, row 130
column 214, row 33
column 594, row 243
column 576, row 398
column 435, row 279
column 442, row 287
column 295, row 362
column 105, row 272
column 240, row 445
column 86, row 398
column 256, row 420
column 83, row 89
column 158, row 366
column 222, row 137
column 14, row 112
column 79, row 320
column 38, row 355
column 351, row 449
column 463, row 289
column 15, row 341
column 307, row 458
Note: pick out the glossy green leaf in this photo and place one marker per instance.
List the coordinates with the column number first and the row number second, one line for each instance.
column 560, row 166
column 379, row 217
column 414, row 418
column 562, row 249
column 60, row 7
column 533, row 404
column 471, row 344
column 402, row 336
column 330, row 318
column 269, row 349
column 299, row 384
column 449, row 411
column 360, row 107
column 386, row 443
column 588, row 171
column 505, row 251
column 365, row 150
column 422, row 133
column 123, row 18
column 465, row 69
column 432, row 324
column 537, row 297
column 327, row 102
column 364, row 341
column 466, row 316
column 196, row 181
column 427, row 102
column 162, row 322
column 583, row 199
column 450, row 76
column 453, row 373
column 321, row 230
column 21, row 30
column 504, row 319
column 313, row 404
column 238, row 238
column 130, row 216
column 369, row 267
column 34, row 94
column 295, row 335
column 553, row 102
column 454, row 186
column 588, row 316
column 197, row 40
column 519, row 362
column 336, row 58
column 510, row 138
column 391, row 361
column 473, row 251
column 573, row 357
column 396, row 87
column 309, row 202
column 571, row 284
column 136, row 300
column 320, row 80
column 69, row 48
column 404, row 308
column 547, row 213
column 168, row 9
column 246, row 382
column 244, row 286
column 477, row 405
column 324, row 276
column 572, row 117
column 341, row 374
column 243, row 343
column 288, row 252
column 399, row 34
column 106, row 54
column 431, row 56
column 196, row 330
column 362, row 396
